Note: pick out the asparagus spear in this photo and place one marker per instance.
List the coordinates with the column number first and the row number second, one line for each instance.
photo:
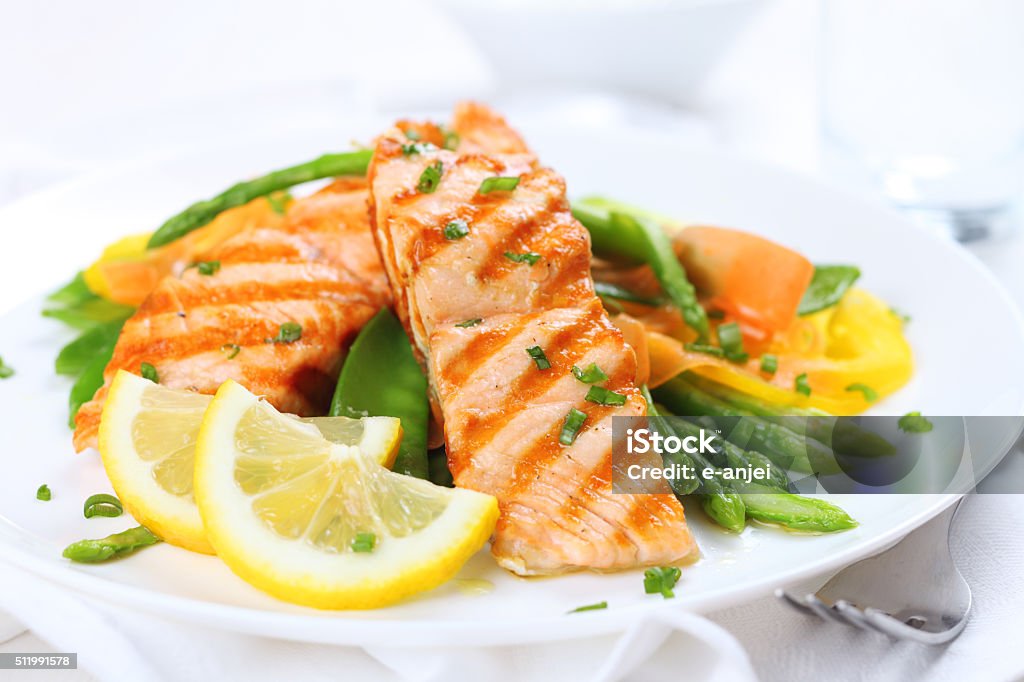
column 116, row 545
column 841, row 433
column 719, row 502
column 784, row 447
column 633, row 238
column 202, row 212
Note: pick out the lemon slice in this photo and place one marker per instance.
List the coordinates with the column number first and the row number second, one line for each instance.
column 147, row 441
column 319, row 524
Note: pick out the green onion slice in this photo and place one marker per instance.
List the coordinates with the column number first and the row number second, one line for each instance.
column 571, row 427
column 231, row 349
column 364, row 542
column 801, row 386
column 148, row 371
column 705, row 348
column 470, row 323
column 913, row 422
column 769, row 363
column 661, row 580
column 430, row 178
column 102, row 505
column 456, row 229
column 602, row 396
column 869, row 393
column 530, row 258
column 498, row 184
column 289, row 332
column 537, row 353
column 43, row 493
column 730, row 338
column 591, row 375
column 591, row 607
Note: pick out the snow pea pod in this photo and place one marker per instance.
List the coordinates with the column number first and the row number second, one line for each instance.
column 381, row 378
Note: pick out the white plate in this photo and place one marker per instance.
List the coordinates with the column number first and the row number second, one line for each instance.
column 967, row 336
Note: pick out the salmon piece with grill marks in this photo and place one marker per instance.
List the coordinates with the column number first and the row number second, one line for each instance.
column 473, row 305
column 319, row 270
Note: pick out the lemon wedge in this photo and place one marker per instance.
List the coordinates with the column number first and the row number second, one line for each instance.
column 318, row 523
column 147, row 441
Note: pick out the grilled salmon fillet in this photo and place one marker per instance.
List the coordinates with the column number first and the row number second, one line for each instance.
column 473, row 306
column 320, row 269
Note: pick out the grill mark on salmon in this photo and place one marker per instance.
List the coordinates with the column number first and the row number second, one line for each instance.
column 319, row 269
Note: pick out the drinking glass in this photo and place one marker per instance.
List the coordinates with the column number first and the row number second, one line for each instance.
column 923, row 100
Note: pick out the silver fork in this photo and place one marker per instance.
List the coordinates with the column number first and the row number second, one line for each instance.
column 912, row 591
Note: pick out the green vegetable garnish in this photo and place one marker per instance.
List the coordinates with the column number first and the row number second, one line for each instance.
column 537, row 353
column 202, row 212
column 591, row 375
column 530, row 258
column 382, row 356
column 148, row 371
column 602, row 396
column 288, row 333
column 116, row 545
column 364, row 542
column 705, row 348
column 730, row 338
column 89, row 381
column 231, row 349
column 498, row 184
column 74, row 357
column 207, row 267
column 430, row 178
column 417, row 148
column 801, row 386
column 411, row 134
column 661, row 580
column 102, row 505
column 828, row 284
column 869, row 393
column 470, row 323
column 913, row 422
column 769, row 363
column 456, row 229
column 590, row 607
column 43, row 493
column 571, row 427
column 6, row 371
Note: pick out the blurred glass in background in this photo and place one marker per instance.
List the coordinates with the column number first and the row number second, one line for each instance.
column 924, row 101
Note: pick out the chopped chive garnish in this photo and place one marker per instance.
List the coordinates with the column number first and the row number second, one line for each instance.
column 288, row 333
column 705, row 348
column 148, row 371
column 231, row 349
column 730, row 338
column 456, row 229
column 417, row 148
column 208, row 267
column 591, row 607
column 102, row 505
column 430, row 178
column 801, row 386
column 913, row 422
column 602, row 396
column 870, row 394
column 661, row 580
column 411, row 134
column 451, row 140
column 498, row 184
column 6, row 371
column 571, row 427
column 537, row 353
column 470, row 323
column 769, row 363
column 43, row 493
column 279, row 202
column 591, row 375
column 529, row 257
column 364, row 542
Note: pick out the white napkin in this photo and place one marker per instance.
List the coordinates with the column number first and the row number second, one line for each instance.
column 114, row 643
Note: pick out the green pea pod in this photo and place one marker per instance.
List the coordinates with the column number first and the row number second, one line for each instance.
column 89, row 381
column 75, row 357
column 381, row 378
column 110, row 547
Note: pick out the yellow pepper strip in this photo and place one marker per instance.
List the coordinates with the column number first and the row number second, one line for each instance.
column 858, row 341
